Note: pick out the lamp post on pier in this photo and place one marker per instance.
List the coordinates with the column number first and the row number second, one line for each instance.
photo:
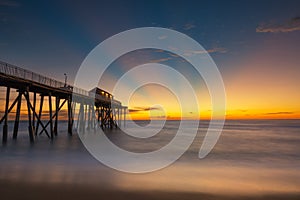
column 65, row 79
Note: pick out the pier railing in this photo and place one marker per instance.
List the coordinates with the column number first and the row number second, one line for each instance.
column 15, row 71
column 18, row 72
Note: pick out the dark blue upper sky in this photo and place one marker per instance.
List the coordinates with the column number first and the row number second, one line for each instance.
column 59, row 34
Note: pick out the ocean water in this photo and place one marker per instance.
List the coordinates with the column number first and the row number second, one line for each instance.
column 251, row 158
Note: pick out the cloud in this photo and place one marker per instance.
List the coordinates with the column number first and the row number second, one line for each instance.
column 289, row 26
column 9, row 3
column 186, row 53
column 174, row 55
column 160, row 60
column 279, row 113
column 213, row 50
column 141, row 109
column 188, row 26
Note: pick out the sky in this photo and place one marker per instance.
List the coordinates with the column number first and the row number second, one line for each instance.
column 255, row 45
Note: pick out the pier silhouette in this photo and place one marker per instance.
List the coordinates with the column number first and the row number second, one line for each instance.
column 97, row 108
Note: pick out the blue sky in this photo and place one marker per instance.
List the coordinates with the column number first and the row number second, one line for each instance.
column 59, row 34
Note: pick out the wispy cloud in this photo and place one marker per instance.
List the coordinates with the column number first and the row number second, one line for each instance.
column 9, row 3
column 160, row 60
column 187, row 53
column 141, row 109
column 213, row 50
column 279, row 113
column 189, row 26
column 289, row 26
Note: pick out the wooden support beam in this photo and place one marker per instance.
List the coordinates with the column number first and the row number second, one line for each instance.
column 111, row 117
column 57, row 101
column 124, row 122
column 70, row 116
column 40, row 113
column 119, row 116
column 98, row 114
column 10, row 108
column 50, row 116
column 47, row 124
column 38, row 119
column 81, row 120
column 85, row 113
column 84, row 117
column 102, row 117
column 94, row 121
column 33, row 111
column 5, row 126
column 30, row 130
column 17, row 119
column 78, row 118
column 73, row 105
column 88, row 109
column 115, row 115
column 73, row 111
column 119, row 121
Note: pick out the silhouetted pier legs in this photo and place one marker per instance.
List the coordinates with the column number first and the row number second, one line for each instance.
column 30, row 128
column 40, row 113
column 57, row 101
column 93, row 118
column 50, row 116
column 5, row 126
column 90, row 116
column 124, row 115
column 17, row 119
column 88, row 109
column 102, row 116
column 119, row 120
column 70, row 116
column 107, row 116
column 82, row 118
column 33, row 111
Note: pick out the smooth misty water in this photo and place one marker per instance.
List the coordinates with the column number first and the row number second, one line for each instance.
column 252, row 157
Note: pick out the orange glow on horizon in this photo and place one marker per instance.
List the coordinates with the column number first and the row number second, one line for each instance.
column 231, row 115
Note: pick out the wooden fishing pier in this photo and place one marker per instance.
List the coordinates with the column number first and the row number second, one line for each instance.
column 97, row 108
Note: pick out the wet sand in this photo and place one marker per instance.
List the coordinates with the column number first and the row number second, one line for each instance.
column 18, row 190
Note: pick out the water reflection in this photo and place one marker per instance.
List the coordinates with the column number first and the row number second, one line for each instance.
column 251, row 157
